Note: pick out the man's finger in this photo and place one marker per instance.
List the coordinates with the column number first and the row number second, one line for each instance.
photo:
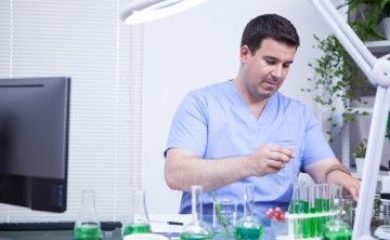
column 287, row 150
column 279, row 156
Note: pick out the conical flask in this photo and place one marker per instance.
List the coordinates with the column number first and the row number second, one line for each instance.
column 138, row 221
column 336, row 228
column 87, row 226
column 248, row 227
column 197, row 229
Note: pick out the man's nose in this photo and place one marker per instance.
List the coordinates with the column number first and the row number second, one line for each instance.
column 277, row 72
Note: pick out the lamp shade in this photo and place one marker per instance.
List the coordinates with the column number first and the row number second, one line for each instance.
column 141, row 11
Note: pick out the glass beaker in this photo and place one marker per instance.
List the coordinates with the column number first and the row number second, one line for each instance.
column 197, row 229
column 87, row 226
column 336, row 228
column 248, row 227
column 386, row 211
column 224, row 218
column 138, row 221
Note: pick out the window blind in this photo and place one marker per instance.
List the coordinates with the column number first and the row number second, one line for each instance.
column 86, row 41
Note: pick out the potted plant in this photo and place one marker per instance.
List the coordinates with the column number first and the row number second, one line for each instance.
column 339, row 86
column 338, row 82
column 359, row 153
column 367, row 16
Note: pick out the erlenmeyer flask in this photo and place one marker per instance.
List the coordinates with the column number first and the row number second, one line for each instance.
column 336, row 228
column 197, row 229
column 248, row 227
column 138, row 221
column 87, row 226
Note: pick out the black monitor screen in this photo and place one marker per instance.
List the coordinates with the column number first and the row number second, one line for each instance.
column 34, row 119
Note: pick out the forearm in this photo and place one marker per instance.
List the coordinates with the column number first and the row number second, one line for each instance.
column 337, row 176
column 331, row 171
column 183, row 169
column 319, row 171
column 183, row 172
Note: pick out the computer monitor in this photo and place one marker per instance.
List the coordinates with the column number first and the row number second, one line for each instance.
column 34, row 120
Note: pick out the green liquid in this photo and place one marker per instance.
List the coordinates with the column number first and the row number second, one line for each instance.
column 87, row 232
column 310, row 227
column 341, row 235
column 248, row 233
column 294, row 207
column 194, row 236
column 137, row 228
column 321, row 205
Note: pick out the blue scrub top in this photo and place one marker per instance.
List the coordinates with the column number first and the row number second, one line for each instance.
column 215, row 122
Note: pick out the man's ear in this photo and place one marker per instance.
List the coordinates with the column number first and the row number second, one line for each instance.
column 245, row 53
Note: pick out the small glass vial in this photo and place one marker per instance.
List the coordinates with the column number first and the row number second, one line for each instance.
column 197, row 229
column 138, row 221
column 248, row 227
column 87, row 226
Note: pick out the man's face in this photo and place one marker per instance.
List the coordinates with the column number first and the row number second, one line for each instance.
column 265, row 70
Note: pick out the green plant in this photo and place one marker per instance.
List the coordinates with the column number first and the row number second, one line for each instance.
column 337, row 80
column 385, row 4
column 366, row 15
column 360, row 150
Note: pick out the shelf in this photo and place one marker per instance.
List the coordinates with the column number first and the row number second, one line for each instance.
column 362, row 110
column 381, row 47
column 381, row 175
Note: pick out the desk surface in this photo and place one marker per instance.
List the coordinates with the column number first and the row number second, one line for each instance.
column 57, row 235
column 60, row 235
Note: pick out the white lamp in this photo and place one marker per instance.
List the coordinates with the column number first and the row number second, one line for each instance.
column 141, row 11
column 378, row 72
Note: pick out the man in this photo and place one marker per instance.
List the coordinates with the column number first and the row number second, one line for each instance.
column 245, row 131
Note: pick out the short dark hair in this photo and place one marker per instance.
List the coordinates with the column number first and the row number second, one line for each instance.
column 269, row 26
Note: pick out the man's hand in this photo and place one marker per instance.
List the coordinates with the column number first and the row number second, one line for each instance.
column 269, row 158
column 349, row 183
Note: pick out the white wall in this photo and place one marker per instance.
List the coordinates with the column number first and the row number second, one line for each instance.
column 200, row 47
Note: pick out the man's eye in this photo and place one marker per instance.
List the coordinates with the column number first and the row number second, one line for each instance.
column 271, row 62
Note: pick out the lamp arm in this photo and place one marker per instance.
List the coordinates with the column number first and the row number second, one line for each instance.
column 141, row 11
column 136, row 5
column 378, row 73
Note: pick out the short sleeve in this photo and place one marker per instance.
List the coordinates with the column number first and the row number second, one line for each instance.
column 189, row 126
column 316, row 147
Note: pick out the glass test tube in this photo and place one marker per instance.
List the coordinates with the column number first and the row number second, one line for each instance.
column 295, row 225
column 322, row 206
